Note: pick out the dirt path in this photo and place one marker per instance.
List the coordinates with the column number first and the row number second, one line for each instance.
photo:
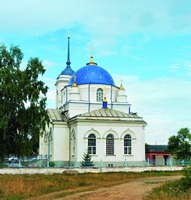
column 133, row 190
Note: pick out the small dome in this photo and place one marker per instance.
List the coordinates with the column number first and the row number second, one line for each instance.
column 92, row 74
column 67, row 71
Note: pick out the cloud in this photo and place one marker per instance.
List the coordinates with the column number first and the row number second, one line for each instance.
column 100, row 18
column 23, row 64
column 51, row 98
column 163, row 104
column 49, row 64
column 108, row 27
column 51, row 94
column 125, row 80
column 182, row 67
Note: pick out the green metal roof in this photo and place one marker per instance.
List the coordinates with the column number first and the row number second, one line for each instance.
column 107, row 112
column 54, row 115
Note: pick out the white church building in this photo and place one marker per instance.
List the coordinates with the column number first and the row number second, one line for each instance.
column 92, row 115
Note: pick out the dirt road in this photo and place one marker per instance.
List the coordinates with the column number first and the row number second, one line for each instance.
column 133, row 190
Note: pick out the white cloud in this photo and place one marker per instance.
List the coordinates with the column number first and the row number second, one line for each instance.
column 51, row 94
column 175, row 66
column 49, row 64
column 51, row 98
column 125, row 80
column 108, row 18
column 183, row 67
column 104, row 24
column 23, row 64
column 163, row 104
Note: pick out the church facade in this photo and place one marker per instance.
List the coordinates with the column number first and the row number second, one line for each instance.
column 92, row 115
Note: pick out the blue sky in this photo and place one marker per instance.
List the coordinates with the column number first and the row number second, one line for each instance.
column 146, row 43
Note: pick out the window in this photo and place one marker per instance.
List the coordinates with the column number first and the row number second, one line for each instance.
column 127, row 144
column 110, row 145
column 91, row 144
column 99, row 94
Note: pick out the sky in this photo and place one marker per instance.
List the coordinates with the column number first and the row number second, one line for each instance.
column 146, row 44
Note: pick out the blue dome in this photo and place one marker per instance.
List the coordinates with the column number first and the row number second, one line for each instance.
column 92, row 74
column 67, row 71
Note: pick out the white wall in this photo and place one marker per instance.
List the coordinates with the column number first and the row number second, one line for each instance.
column 86, row 98
column 101, row 130
column 60, row 142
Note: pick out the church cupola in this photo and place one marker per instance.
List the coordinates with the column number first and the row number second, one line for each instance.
column 64, row 78
column 92, row 74
column 121, row 87
column 121, row 97
column 74, row 94
column 91, row 61
column 68, row 70
column 74, row 84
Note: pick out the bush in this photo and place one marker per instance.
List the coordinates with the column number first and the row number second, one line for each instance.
column 51, row 164
column 186, row 180
column 25, row 163
column 3, row 165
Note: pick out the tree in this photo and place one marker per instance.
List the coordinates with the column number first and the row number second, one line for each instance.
column 180, row 145
column 147, row 147
column 87, row 162
column 23, row 112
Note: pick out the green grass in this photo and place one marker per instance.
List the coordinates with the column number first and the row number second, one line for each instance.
column 177, row 190
column 169, row 191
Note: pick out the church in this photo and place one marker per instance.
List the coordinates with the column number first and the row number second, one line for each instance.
column 92, row 115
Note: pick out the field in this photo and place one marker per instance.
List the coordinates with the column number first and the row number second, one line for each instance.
column 58, row 186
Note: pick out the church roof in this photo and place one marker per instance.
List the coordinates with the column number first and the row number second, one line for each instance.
column 92, row 74
column 54, row 115
column 110, row 113
column 103, row 113
column 67, row 71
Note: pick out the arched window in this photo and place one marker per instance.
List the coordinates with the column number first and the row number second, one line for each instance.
column 99, row 94
column 127, row 144
column 91, row 144
column 110, row 145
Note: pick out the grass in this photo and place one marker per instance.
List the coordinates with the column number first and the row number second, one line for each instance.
column 177, row 190
column 173, row 190
column 18, row 187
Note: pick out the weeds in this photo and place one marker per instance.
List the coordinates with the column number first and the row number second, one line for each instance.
column 24, row 186
column 177, row 190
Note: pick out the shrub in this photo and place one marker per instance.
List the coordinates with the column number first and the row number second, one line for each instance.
column 3, row 165
column 186, row 180
column 51, row 164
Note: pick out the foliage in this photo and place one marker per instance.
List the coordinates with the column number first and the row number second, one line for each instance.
column 87, row 162
column 51, row 164
column 186, row 179
column 147, row 147
column 171, row 190
column 180, row 145
column 23, row 101
column 3, row 165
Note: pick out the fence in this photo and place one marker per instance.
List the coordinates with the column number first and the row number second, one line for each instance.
column 42, row 162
